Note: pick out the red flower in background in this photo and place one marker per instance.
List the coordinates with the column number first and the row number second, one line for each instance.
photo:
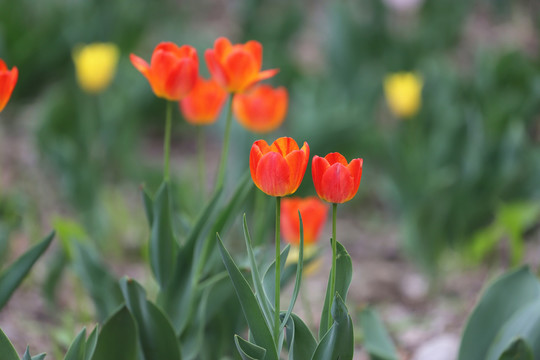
column 172, row 72
column 278, row 169
column 314, row 214
column 203, row 104
column 8, row 79
column 262, row 109
column 335, row 180
column 236, row 67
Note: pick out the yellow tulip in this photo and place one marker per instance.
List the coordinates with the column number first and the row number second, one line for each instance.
column 403, row 92
column 95, row 65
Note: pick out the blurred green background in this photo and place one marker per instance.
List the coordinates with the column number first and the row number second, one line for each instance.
column 463, row 173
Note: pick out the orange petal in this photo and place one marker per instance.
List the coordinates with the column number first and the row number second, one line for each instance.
column 336, row 184
column 216, row 69
column 181, row 79
column 241, row 69
column 319, row 166
column 336, row 157
column 355, row 168
column 284, row 145
column 273, row 175
column 297, row 161
column 258, row 149
column 255, row 49
column 8, row 79
column 140, row 65
column 3, row 66
column 222, row 47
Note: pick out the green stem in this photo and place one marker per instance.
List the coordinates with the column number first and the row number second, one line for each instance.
column 225, row 150
column 167, row 143
column 333, row 270
column 201, row 159
column 278, row 274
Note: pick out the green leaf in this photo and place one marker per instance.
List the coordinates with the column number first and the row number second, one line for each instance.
column 506, row 295
column 300, row 340
column 269, row 280
column 163, row 246
column 252, row 312
column 377, row 342
column 338, row 342
column 156, row 334
column 518, row 350
column 77, row 347
column 524, row 324
column 11, row 277
column 247, row 350
column 118, row 338
column 91, row 344
column 27, row 356
column 6, row 348
column 264, row 303
column 343, row 280
column 98, row 281
column 148, row 203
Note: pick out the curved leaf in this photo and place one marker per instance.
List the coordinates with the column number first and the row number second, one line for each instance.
column 247, row 350
column 118, row 338
column 300, row 340
column 377, row 342
column 91, row 344
column 518, row 350
column 77, row 347
column 6, row 348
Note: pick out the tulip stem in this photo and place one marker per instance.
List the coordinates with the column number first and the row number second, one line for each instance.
column 333, row 270
column 225, row 150
column 201, row 159
column 278, row 274
column 167, row 143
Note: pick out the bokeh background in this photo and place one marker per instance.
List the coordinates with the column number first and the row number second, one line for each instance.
column 450, row 193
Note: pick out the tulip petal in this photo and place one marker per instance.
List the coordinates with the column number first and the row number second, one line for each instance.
column 3, row 66
column 215, row 68
column 284, row 145
column 255, row 49
column 336, row 157
column 140, row 65
column 273, row 175
column 181, row 79
column 222, row 48
column 297, row 161
column 355, row 168
column 241, row 68
column 336, row 184
column 8, row 79
column 319, row 165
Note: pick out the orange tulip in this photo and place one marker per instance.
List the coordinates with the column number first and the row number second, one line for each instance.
column 172, row 72
column 278, row 169
column 236, row 67
column 261, row 110
column 314, row 213
column 203, row 104
column 8, row 79
column 336, row 181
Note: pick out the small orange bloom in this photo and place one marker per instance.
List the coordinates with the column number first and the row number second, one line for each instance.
column 236, row 67
column 203, row 104
column 172, row 72
column 314, row 213
column 336, row 181
column 261, row 110
column 278, row 169
column 8, row 79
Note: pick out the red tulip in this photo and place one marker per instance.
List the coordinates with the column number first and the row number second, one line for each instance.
column 336, row 181
column 261, row 110
column 8, row 79
column 203, row 104
column 172, row 72
column 314, row 213
column 236, row 67
column 278, row 169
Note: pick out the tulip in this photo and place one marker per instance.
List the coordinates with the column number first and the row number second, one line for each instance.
column 314, row 214
column 203, row 104
column 261, row 110
column 95, row 66
column 8, row 79
column 278, row 169
column 172, row 72
column 403, row 92
column 236, row 67
column 335, row 180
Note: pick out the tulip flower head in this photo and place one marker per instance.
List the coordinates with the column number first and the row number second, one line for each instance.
column 236, row 67
column 8, row 79
column 278, row 169
column 314, row 214
column 95, row 65
column 262, row 109
column 403, row 93
column 173, row 70
column 335, row 180
column 203, row 104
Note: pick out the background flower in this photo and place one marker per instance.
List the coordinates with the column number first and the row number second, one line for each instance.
column 95, row 65
column 403, row 93
column 262, row 109
column 203, row 104
column 8, row 79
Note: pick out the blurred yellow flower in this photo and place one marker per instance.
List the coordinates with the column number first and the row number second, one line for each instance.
column 403, row 92
column 310, row 253
column 95, row 65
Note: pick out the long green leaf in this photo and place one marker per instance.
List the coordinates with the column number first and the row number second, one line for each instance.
column 247, row 350
column 506, row 295
column 338, row 343
column 148, row 203
column 258, row 328
column 77, row 347
column 11, row 277
column 163, row 246
column 91, row 344
column 518, row 350
column 343, row 281
column 6, row 348
column 118, row 338
column 300, row 340
column 156, row 334
column 377, row 342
